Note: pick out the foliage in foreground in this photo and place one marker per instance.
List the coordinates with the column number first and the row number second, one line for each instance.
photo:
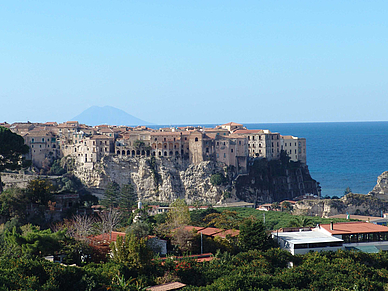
column 252, row 270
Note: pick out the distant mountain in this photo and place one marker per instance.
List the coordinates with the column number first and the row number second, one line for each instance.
column 96, row 115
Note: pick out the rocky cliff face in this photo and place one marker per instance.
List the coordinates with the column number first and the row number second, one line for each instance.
column 359, row 204
column 276, row 180
column 165, row 179
column 156, row 179
column 380, row 191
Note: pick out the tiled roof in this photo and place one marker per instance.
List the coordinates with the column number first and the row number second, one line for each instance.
column 359, row 217
column 231, row 232
column 167, row 286
column 354, row 227
column 247, row 131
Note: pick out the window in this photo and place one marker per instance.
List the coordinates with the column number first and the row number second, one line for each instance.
column 32, row 140
column 224, row 155
column 42, row 139
column 196, row 139
column 231, row 150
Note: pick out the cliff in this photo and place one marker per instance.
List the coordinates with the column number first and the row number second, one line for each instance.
column 165, row 179
column 275, row 180
column 380, row 191
column 156, row 179
column 358, row 204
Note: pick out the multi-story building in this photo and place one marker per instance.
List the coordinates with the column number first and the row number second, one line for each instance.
column 231, row 143
column 43, row 145
column 295, row 147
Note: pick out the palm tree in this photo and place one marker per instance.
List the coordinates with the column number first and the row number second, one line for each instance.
column 301, row 221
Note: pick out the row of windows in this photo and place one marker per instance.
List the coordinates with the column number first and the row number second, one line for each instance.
column 365, row 237
column 318, row 245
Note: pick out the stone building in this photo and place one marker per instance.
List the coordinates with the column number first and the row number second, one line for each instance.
column 43, row 145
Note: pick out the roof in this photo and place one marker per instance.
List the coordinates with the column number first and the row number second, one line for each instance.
column 233, row 123
column 105, row 237
column 354, row 227
column 210, row 231
column 359, row 217
column 231, row 232
column 247, row 131
column 304, row 237
column 167, row 286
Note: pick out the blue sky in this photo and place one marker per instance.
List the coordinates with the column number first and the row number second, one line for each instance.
column 171, row 62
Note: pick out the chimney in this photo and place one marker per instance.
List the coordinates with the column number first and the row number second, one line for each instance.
column 331, row 225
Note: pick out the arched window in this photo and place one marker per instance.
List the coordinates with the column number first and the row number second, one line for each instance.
column 196, row 139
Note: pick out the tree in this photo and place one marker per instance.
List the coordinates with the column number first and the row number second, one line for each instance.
column 83, row 226
column 109, row 220
column 179, row 213
column 13, row 203
column 112, row 195
column 131, row 251
column 128, row 197
column 12, row 149
column 253, row 235
column 347, row 191
column 226, row 220
column 139, row 229
column 40, row 191
column 217, row 179
column 301, row 221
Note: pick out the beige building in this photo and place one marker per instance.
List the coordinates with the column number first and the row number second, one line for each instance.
column 262, row 143
column 295, row 147
column 43, row 144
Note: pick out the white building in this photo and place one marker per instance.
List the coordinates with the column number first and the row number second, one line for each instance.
column 363, row 236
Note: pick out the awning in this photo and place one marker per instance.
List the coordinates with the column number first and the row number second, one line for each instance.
column 365, row 249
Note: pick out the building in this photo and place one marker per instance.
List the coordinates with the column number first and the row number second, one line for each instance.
column 363, row 236
column 231, row 143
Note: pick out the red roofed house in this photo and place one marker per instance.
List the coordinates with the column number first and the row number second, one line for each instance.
column 363, row 236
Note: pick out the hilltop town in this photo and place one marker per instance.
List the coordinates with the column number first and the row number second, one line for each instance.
column 231, row 143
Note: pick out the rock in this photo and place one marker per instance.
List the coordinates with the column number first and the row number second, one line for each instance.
column 381, row 189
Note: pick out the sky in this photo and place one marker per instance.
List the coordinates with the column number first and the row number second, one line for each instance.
column 186, row 62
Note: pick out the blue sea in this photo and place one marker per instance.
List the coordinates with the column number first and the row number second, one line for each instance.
column 341, row 154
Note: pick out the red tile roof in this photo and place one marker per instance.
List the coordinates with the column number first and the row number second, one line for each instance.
column 231, row 232
column 354, row 227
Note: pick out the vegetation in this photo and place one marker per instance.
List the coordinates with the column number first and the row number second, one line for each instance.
column 12, row 148
column 218, row 179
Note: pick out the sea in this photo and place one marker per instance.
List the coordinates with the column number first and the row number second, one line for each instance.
column 339, row 154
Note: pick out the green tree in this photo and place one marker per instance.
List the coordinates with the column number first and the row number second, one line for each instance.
column 254, row 236
column 13, row 203
column 12, row 149
column 40, row 191
column 301, row 221
column 139, row 229
column 217, row 179
column 131, row 251
column 128, row 197
column 226, row 220
column 179, row 213
column 112, row 195
column 35, row 242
